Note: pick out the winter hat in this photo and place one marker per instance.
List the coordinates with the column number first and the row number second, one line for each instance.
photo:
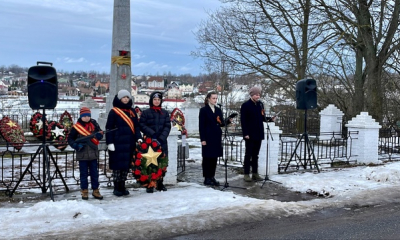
column 254, row 91
column 156, row 95
column 123, row 93
column 85, row 112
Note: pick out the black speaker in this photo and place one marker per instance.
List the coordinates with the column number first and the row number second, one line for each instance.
column 306, row 94
column 42, row 86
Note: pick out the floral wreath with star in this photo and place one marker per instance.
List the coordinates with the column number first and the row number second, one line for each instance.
column 149, row 163
column 57, row 135
column 12, row 133
column 178, row 120
column 36, row 126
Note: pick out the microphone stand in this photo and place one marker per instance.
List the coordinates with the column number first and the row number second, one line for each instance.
column 267, row 158
column 226, row 184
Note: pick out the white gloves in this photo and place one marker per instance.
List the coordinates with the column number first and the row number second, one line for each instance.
column 139, row 141
column 111, row 147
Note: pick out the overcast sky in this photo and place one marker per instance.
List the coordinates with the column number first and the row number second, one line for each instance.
column 76, row 35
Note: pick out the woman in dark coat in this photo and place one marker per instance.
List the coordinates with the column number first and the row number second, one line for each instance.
column 122, row 142
column 210, row 122
column 156, row 124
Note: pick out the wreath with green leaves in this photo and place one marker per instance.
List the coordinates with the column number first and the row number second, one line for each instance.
column 12, row 133
column 147, row 167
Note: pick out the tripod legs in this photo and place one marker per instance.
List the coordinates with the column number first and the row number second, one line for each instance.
column 308, row 148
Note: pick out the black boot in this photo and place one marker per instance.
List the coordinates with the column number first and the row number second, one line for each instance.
column 160, row 185
column 216, row 183
column 208, row 182
column 123, row 189
column 150, row 190
column 117, row 189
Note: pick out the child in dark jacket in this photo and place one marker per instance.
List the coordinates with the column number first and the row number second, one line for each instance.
column 122, row 142
column 87, row 151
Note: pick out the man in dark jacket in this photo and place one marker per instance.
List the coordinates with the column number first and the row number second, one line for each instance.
column 122, row 142
column 252, row 116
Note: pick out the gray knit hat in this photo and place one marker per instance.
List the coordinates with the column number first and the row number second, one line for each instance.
column 254, row 90
column 123, row 93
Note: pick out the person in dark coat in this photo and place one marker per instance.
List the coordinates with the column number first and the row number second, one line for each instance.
column 252, row 116
column 155, row 123
column 87, row 152
column 210, row 122
column 122, row 142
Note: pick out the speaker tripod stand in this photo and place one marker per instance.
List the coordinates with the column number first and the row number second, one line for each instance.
column 308, row 148
column 46, row 182
column 267, row 159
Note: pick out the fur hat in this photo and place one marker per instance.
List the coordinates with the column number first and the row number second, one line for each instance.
column 254, row 91
column 123, row 93
column 85, row 112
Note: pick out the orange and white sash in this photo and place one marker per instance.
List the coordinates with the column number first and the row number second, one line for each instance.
column 126, row 118
column 84, row 132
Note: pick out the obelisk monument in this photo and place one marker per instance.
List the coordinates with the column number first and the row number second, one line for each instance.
column 120, row 75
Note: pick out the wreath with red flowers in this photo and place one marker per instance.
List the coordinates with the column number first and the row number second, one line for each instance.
column 178, row 120
column 36, row 126
column 12, row 133
column 68, row 123
column 57, row 135
column 148, row 174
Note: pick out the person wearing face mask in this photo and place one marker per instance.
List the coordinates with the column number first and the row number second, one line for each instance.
column 122, row 142
column 252, row 116
column 155, row 123
column 210, row 122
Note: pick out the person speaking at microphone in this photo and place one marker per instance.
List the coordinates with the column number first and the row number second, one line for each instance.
column 210, row 122
column 252, row 116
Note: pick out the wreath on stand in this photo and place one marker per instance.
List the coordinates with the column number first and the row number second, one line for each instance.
column 178, row 120
column 36, row 126
column 57, row 135
column 68, row 123
column 12, row 133
column 150, row 163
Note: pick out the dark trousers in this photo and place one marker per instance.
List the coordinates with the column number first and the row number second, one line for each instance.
column 209, row 166
column 251, row 153
column 86, row 168
column 120, row 175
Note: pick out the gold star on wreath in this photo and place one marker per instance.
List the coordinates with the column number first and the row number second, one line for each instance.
column 178, row 126
column 11, row 124
column 151, row 157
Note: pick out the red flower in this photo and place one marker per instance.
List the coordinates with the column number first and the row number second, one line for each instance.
column 148, row 140
column 159, row 173
column 138, row 162
column 143, row 178
column 137, row 172
column 139, row 155
column 159, row 150
column 143, row 146
column 164, row 169
column 154, row 144
column 154, row 176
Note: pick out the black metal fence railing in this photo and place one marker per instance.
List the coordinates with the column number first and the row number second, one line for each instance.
column 389, row 144
column 328, row 149
column 181, row 166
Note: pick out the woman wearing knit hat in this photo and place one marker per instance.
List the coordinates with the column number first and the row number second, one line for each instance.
column 87, row 153
column 155, row 123
column 122, row 142
column 252, row 116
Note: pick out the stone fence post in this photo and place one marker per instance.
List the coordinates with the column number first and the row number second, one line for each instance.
column 271, row 140
column 364, row 146
column 172, row 171
column 331, row 122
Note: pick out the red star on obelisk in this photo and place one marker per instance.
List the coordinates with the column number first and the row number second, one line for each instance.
column 123, row 76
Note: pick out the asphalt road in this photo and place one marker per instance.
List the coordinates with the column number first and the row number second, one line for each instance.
column 367, row 222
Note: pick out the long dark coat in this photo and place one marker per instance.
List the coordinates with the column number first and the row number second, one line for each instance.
column 155, row 124
column 210, row 131
column 88, row 152
column 252, row 118
column 123, row 139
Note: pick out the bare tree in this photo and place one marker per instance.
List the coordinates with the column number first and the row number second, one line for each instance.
column 371, row 29
column 277, row 39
